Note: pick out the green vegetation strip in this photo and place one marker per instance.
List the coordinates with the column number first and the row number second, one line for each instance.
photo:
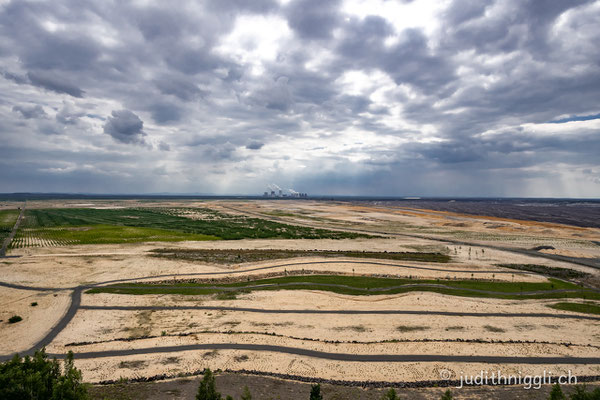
column 361, row 285
column 7, row 221
column 236, row 256
column 51, row 227
column 587, row 308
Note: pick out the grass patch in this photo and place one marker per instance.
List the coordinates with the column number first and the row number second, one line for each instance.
column 50, row 227
column 103, row 234
column 494, row 329
column 237, row 256
column 354, row 328
column 454, row 328
column 411, row 328
column 561, row 273
column 133, row 364
column 364, row 285
column 525, row 327
column 227, row 295
column 587, row 308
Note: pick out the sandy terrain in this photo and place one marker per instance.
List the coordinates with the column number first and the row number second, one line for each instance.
column 37, row 320
column 67, row 267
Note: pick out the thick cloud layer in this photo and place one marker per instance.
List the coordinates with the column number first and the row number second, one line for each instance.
column 333, row 97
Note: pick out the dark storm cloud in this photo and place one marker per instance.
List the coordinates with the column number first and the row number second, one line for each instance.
column 54, row 82
column 409, row 61
column 15, row 77
column 254, row 145
column 183, row 88
column 125, row 126
column 313, row 19
column 163, row 113
column 237, row 6
column 29, row 112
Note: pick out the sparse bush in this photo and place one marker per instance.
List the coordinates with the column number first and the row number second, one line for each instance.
column 34, row 304
column 15, row 319
column 390, row 395
column 246, row 394
column 447, row 395
column 227, row 295
column 494, row 329
column 315, row 392
column 41, row 379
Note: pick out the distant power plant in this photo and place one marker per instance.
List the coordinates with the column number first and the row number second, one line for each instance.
column 276, row 191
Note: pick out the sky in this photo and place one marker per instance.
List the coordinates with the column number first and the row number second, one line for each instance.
column 350, row 97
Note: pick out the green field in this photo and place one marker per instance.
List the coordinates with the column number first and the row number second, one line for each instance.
column 237, row 256
column 52, row 227
column 587, row 308
column 361, row 285
column 7, row 221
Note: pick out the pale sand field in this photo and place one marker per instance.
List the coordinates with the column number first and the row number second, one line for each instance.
column 69, row 266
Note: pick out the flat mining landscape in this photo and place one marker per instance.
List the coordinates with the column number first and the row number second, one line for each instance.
column 350, row 294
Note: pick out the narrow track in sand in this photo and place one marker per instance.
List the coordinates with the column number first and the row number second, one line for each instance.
column 341, row 356
column 342, row 312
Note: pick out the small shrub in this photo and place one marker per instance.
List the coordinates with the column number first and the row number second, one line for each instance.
column 315, row 392
column 246, row 394
column 490, row 328
column 14, row 319
column 407, row 328
column 390, row 395
column 34, row 304
column 227, row 295
column 447, row 395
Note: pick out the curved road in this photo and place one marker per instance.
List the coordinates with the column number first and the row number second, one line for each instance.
column 340, row 356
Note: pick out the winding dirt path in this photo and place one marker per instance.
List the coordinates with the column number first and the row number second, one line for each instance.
column 341, row 356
